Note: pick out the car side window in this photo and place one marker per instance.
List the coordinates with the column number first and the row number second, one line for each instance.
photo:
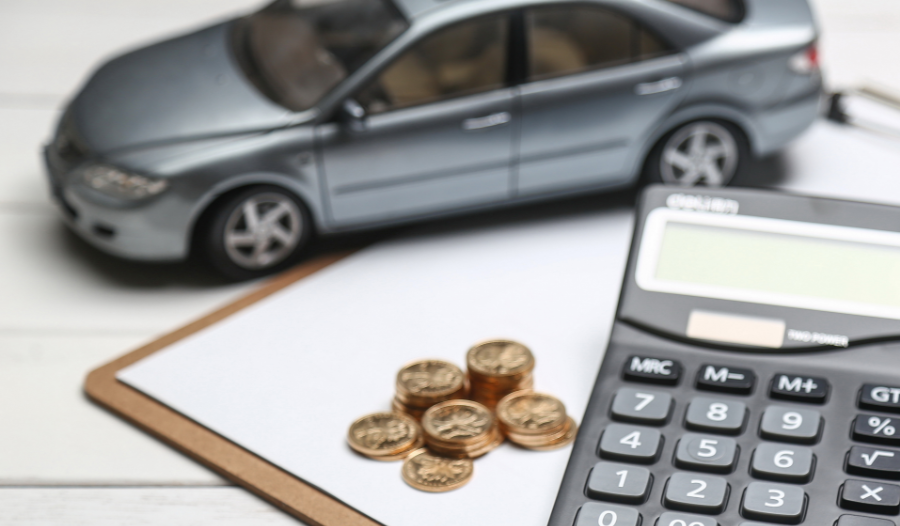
column 570, row 39
column 459, row 60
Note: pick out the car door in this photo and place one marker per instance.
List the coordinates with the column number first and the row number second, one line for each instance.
column 597, row 83
column 437, row 133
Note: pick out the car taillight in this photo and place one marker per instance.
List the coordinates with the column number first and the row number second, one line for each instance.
column 806, row 61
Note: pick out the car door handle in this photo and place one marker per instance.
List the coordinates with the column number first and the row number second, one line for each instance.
column 480, row 123
column 660, row 86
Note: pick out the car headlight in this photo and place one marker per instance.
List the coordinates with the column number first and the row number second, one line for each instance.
column 118, row 183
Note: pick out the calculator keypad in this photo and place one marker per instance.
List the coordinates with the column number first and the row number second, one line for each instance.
column 678, row 519
column 873, row 497
column 631, row 443
column 782, row 463
column 810, row 389
column 725, row 379
column 874, row 462
column 714, row 429
column 619, row 482
column 774, row 502
column 790, row 424
column 716, row 415
column 876, row 429
column 696, row 493
column 715, row 454
column 643, row 406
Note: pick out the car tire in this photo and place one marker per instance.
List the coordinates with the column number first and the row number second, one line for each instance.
column 253, row 233
column 700, row 153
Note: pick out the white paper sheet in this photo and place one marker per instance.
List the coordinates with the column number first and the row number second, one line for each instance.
column 325, row 351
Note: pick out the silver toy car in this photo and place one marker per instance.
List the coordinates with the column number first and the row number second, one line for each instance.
column 239, row 142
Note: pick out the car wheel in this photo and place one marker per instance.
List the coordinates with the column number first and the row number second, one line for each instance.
column 254, row 232
column 699, row 153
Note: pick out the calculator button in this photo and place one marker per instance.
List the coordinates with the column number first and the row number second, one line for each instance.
column 619, row 482
column 881, row 397
column 678, row 519
column 774, row 502
column 872, row 497
column 856, row 520
column 642, row 406
column 725, row 379
column 782, row 463
column 594, row 513
column 809, row 389
column 874, row 462
column 631, row 443
column 790, row 425
column 696, row 493
column 652, row 370
column 874, row 428
column 711, row 414
column 706, row 453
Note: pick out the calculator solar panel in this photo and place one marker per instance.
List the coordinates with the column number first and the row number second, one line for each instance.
column 752, row 376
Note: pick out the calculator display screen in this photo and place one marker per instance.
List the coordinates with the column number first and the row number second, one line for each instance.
column 772, row 261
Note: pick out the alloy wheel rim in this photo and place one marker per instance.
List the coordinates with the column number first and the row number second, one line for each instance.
column 703, row 153
column 263, row 231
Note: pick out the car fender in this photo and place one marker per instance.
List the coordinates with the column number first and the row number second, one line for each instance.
column 307, row 195
column 696, row 112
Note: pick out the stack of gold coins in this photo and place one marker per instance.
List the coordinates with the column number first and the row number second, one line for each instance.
column 535, row 421
column 427, row 472
column 385, row 436
column 461, row 429
column 497, row 368
column 422, row 384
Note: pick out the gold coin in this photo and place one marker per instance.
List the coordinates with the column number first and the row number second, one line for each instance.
column 427, row 472
column 530, row 413
column 383, row 434
column 565, row 440
column 429, row 379
column 457, row 421
column 500, row 358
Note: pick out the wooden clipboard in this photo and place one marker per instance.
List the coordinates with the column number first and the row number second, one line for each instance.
column 226, row 458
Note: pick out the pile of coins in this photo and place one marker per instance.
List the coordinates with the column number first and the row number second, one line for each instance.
column 462, row 416
column 425, row 383
column 428, row 472
column 497, row 368
column 535, row 421
column 385, row 436
column 461, row 429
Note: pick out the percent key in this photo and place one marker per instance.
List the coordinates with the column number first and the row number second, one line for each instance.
column 874, row 428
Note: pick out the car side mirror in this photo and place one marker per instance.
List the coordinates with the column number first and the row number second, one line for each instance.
column 353, row 115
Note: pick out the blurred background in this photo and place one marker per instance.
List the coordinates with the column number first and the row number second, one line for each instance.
column 65, row 308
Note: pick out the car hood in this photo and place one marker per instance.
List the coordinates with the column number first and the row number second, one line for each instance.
column 186, row 88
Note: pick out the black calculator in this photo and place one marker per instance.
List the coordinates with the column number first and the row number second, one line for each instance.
column 752, row 375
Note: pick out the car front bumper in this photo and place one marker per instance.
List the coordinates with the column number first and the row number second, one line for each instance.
column 154, row 230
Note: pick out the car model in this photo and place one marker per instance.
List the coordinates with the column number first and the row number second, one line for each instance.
column 239, row 142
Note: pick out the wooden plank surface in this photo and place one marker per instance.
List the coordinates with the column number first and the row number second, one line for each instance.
column 136, row 507
column 65, row 308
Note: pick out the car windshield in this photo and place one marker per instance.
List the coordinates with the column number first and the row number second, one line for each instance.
column 296, row 51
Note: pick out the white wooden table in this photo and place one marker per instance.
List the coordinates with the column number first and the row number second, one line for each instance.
column 65, row 309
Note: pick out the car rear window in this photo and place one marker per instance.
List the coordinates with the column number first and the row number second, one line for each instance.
column 727, row 10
